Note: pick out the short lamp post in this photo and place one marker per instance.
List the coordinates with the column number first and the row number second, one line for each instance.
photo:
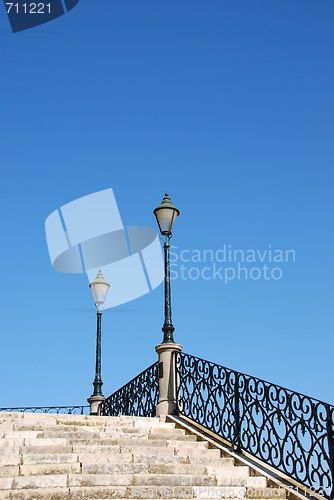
column 100, row 289
column 166, row 215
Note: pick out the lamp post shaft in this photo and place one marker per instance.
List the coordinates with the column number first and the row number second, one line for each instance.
column 168, row 328
column 98, row 381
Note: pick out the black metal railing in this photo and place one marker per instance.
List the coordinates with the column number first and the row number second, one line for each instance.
column 139, row 397
column 284, row 429
column 68, row 410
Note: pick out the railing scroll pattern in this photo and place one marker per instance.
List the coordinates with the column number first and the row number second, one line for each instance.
column 284, row 429
column 139, row 397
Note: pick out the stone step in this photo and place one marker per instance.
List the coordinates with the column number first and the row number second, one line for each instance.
column 49, row 458
column 114, row 468
column 105, row 458
column 199, row 484
column 73, row 435
column 118, row 493
column 6, row 426
column 225, row 469
column 9, row 470
column 12, row 443
column 180, row 479
column 9, row 450
column 49, row 469
column 257, row 482
column 161, row 451
column 39, row 469
column 22, row 482
column 93, row 449
column 95, row 434
column 144, row 458
column 44, row 449
column 45, row 442
column 188, row 459
column 240, row 471
column 21, row 434
column 160, row 443
column 186, row 491
column 10, row 460
column 39, row 494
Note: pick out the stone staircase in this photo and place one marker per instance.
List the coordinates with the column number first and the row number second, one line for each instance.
column 76, row 456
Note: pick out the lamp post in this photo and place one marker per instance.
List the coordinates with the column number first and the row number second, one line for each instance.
column 100, row 289
column 166, row 215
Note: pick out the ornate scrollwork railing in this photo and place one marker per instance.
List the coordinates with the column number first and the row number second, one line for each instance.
column 68, row 410
column 286, row 430
column 139, row 397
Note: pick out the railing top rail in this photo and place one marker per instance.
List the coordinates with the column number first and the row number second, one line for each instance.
column 45, row 409
column 260, row 380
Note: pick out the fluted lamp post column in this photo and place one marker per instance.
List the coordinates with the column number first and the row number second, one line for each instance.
column 166, row 214
column 100, row 289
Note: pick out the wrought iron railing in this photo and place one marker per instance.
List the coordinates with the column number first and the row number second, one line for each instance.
column 139, row 397
column 69, row 410
column 286, row 430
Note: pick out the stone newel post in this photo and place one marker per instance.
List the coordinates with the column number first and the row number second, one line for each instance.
column 167, row 404
column 94, row 402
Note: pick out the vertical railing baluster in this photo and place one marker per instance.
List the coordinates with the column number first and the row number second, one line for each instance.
column 330, row 437
column 236, row 442
column 177, row 380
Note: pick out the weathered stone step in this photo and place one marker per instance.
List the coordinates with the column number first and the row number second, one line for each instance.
column 39, row 441
column 21, row 434
column 45, row 449
column 21, row 482
column 162, row 443
column 114, row 468
column 40, row 469
column 117, row 493
column 199, row 469
column 10, row 460
column 182, row 451
column 240, row 471
column 9, row 450
column 181, row 479
column 93, row 449
column 49, row 458
column 74, row 433
column 39, row 494
column 187, row 459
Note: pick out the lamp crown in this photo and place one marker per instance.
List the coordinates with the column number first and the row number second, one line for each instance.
column 167, row 203
column 99, row 279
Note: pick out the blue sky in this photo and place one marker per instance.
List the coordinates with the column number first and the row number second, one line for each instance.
column 227, row 104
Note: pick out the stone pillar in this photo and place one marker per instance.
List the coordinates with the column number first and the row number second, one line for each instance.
column 94, row 402
column 167, row 404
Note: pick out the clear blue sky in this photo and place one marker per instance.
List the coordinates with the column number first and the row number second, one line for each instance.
column 228, row 104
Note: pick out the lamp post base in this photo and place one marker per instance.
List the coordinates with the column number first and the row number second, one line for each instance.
column 168, row 382
column 94, row 402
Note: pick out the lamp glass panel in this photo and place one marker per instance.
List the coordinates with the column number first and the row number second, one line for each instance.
column 166, row 217
column 100, row 291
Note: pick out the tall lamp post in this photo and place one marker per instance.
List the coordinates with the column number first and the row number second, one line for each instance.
column 166, row 215
column 100, row 289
